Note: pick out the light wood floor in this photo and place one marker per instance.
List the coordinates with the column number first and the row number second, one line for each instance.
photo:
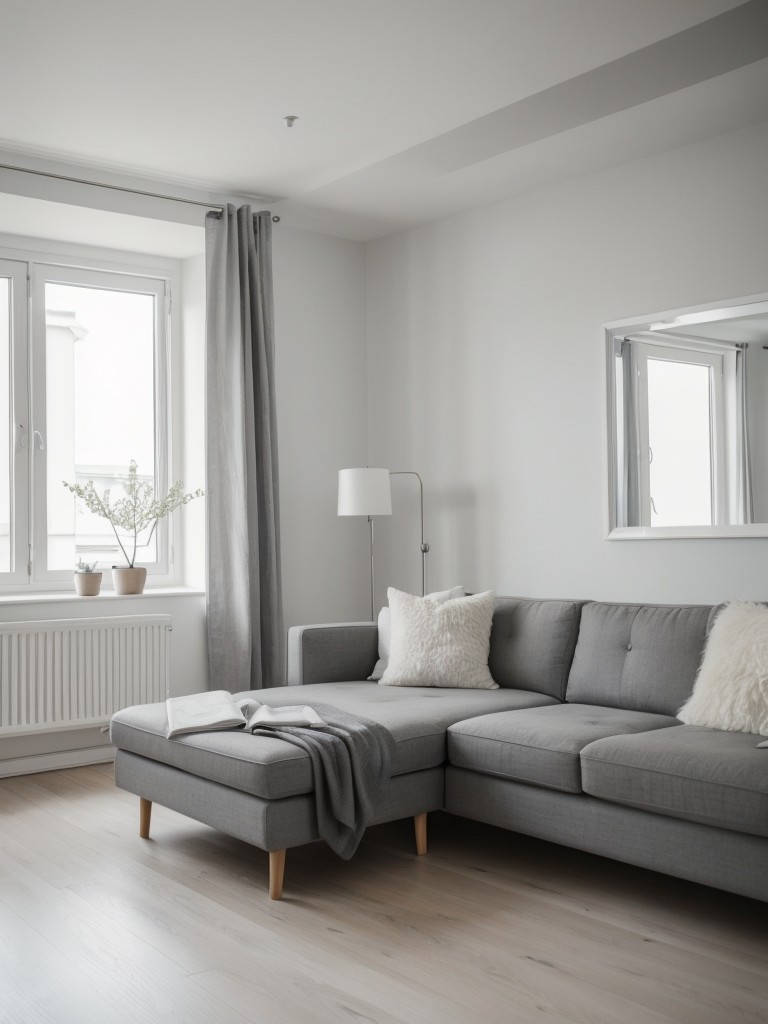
column 97, row 925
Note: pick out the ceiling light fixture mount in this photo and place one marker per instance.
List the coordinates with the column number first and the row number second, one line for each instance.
column 290, row 120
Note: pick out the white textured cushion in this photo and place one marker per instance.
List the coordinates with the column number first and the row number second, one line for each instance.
column 731, row 689
column 385, row 628
column 440, row 644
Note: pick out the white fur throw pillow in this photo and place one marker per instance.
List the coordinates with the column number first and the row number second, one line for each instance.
column 385, row 628
column 440, row 644
column 731, row 689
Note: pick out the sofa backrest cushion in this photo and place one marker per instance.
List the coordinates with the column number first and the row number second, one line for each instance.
column 640, row 657
column 532, row 643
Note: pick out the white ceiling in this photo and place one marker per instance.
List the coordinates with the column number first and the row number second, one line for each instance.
column 408, row 109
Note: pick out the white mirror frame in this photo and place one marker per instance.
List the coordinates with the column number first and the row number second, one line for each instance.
column 636, row 324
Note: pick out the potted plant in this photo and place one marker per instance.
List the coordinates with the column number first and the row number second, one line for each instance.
column 138, row 511
column 87, row 580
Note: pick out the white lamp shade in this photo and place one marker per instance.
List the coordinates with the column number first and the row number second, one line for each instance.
column 364, row 492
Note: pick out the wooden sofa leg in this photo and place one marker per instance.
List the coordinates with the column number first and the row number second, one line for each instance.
column 145, row 813
column 420, row 829
column 276, row 873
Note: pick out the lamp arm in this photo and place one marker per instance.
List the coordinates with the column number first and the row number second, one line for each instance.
column 424, row 545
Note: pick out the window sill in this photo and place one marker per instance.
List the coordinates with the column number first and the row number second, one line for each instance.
column 69, row 597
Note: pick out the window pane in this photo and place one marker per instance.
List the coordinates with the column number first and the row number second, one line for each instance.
column 679, row 435
column 5, row 425
column 100, row 402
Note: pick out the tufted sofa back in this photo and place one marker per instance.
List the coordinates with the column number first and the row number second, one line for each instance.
column 638, row 657
column 532, row 643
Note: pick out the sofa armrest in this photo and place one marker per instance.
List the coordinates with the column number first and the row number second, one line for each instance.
column 332, row 653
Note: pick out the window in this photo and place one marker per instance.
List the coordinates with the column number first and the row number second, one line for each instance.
column 5, row 424
column 680, row 437
column 83, row 391
column 680, row 429
column 683, row 414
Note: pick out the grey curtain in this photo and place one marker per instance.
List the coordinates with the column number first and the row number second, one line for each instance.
column 745, row 455
column 245, row 619
column 631, row 479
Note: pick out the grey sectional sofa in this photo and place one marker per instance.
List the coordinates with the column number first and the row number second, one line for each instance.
column 579, row 745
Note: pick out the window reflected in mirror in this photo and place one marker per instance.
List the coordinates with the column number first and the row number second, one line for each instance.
column 688, row 417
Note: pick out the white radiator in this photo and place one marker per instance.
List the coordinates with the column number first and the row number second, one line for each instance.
column 71, row 673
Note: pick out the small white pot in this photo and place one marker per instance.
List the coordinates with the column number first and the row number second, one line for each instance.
column 87, row 584
column 128, row 580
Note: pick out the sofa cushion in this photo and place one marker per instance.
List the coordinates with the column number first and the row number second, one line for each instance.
column 532, row 643
column 417, row 717
column 641, row 657
column 541, row 745
column 704, row 775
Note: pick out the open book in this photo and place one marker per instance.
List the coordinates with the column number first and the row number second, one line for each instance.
column 217, row 709
column 255, row 714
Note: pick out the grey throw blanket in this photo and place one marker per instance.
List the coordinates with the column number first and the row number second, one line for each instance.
column 351, row 762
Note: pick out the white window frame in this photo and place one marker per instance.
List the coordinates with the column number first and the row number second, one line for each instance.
column 19, row 434
column 30, row 270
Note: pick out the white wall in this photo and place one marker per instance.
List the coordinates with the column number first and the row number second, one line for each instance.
column 319, row 288
column 486, row 371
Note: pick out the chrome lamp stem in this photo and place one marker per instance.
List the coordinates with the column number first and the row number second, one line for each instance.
column 424, row 545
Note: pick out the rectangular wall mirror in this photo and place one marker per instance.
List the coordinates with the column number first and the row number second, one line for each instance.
column 688, row 422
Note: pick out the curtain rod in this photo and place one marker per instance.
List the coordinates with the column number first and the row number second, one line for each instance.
column 117, row 188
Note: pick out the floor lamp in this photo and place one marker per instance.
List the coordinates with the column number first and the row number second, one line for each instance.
column 367, row 492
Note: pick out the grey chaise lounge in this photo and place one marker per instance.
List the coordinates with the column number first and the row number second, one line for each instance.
column 579, row 745
column 260, row 789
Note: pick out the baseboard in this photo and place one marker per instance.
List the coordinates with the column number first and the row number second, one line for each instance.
column 58, row 759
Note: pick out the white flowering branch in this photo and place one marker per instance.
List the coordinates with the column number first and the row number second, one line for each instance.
column 135, row 512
